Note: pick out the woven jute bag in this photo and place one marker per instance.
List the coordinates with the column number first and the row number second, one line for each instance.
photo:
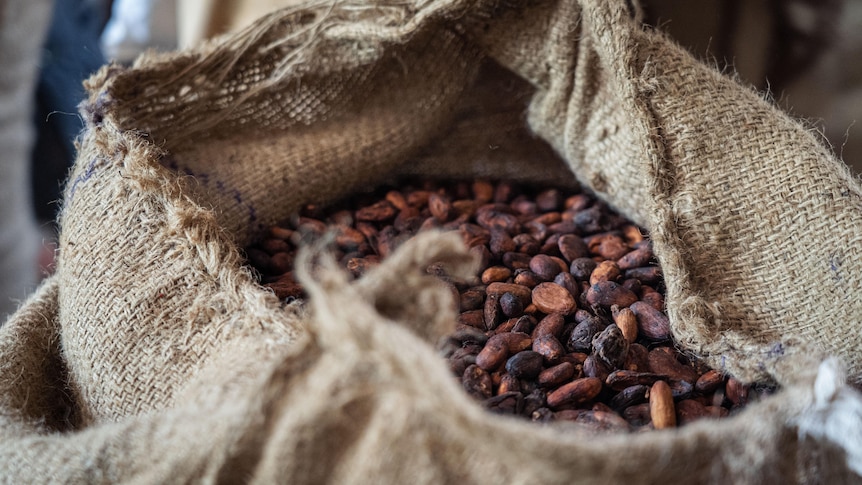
column 152, row 355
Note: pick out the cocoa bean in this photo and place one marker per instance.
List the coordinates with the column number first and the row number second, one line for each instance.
column 557, row 375
column 553, row 298
column 572, row 247
column 496, row 274
column 622, row 379
column 608, row 293
column 661, row 407
column 611, row 346
column 550, row 348
column 477, row 382
column 552, row 324
column 652, row 323
column 525, row 365
column 575, row 392
column 564, row 259
column 709, row 381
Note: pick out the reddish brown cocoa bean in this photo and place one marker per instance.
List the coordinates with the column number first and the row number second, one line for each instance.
column 627, row 322
column 575, row 392
column 557, row 375
column 604, row 271
column 662, row 361
column 494, row 354
column 525, row 277
column 709, row 381
column 522, row 292
column 661, row 407
column 572, row 247
column 622, row 379
column 552, row 324
column 553, row 298
column 635, row 259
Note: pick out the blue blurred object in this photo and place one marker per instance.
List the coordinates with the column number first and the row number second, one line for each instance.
column 70, row 54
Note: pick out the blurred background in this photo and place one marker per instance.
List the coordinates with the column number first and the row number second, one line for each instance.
column 802, row 53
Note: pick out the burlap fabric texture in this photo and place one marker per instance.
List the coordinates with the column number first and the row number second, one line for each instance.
column 152, row 355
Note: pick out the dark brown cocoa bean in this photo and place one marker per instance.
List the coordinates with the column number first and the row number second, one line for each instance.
column 652, row 323
column 533, row 401
column 525, row 277
column 645, row 274
column 622, row 379
column 527, row 244
column 509, row 383
column 572, row 247
column 492, row 312
column 611, row 346
column 681, row 389
column 635, row 259
column 516, row 261
column 477, row 382
column 506, row 403
column 524, row 324
column 637, row 359
column 511, row 305
column 494, row 219
column 597, row 368
column 638, row 415
column 522, row 292
column 688, row 411
column 472, row 299
column 473, row 318
column 608, row 293
column 544, row 267
column 468, row 336
column 525, row 365
column 501, row 242
column 474, row 235
column 582, row 268
column 549, row 348
column 506, row 326
column 581, row 338
column 630, row 396
column 567, row 281
column 662, row 361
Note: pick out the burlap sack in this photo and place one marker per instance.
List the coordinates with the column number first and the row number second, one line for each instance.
column 152, row 356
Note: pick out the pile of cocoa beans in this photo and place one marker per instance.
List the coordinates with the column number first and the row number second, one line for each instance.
column 564, row 322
